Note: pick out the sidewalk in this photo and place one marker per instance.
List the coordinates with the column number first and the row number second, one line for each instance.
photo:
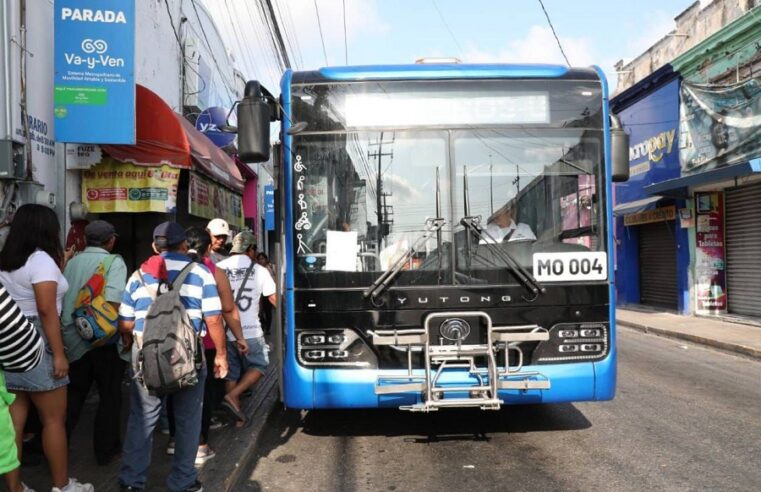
column 234, row 448
column 739, row 338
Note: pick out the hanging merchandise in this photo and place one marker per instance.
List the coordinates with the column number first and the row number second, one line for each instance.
column 114, row 186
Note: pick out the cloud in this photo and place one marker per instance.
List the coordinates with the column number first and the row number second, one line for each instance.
column 539, row 46
column 658, row 25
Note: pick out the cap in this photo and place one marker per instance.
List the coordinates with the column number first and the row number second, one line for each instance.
column 243, row 241
column 99, row 231
column 168, row 234
column 218, row 227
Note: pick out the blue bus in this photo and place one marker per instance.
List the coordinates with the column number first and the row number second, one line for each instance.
column 446, row 234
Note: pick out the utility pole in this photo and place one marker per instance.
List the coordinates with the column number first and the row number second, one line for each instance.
column 491, row 187
column 379, row 194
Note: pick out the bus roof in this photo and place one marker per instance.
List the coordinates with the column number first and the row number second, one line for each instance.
column 442, row 72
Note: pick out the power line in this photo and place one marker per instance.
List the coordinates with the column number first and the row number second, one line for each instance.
column 278, row 35
column 322, row 38
column 295, row 52
column 230, row 87
column 242, row 45
column 272, row 66
column 346, row 41
column 295, row 31
column 446, row 25
column 554, row 33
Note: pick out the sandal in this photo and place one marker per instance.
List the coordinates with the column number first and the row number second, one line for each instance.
column 236, row 412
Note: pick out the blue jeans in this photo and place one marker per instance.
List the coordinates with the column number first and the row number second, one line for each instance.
column 144, row 411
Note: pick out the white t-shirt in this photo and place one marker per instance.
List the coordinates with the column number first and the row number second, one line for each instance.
column 39, row 267
column 259, row 283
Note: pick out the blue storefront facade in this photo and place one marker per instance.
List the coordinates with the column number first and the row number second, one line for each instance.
column 652, row 247
column 688, row 221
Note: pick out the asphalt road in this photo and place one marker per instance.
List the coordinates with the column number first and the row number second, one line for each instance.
column 685, row 418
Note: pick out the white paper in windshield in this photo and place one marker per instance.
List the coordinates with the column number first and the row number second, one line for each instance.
column 342, row 251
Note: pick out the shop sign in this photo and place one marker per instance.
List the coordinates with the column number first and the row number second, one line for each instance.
column 269, row 207
column 82, row 156
column 655, row 215
column 210, row 200
column 653, row 127
column 114, row 186
column 719, row 125
column 211, row 121
column 710, row 273
column 94, row 83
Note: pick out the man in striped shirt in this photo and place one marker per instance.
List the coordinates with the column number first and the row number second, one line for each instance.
column 201, row 300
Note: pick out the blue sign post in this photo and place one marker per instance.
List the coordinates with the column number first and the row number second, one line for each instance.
column 269, row 207
column 95, row 71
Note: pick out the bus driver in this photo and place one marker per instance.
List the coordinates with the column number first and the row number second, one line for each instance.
column 502, row 228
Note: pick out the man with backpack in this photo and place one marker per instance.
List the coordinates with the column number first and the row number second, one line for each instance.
column 170, row 302
column 100, row 364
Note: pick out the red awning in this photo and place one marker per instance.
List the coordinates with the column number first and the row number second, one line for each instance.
column 210, row 159
column 160, row 136
column 165, row 137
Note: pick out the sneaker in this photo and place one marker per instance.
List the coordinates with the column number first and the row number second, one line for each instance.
column 75, row 486
column 170, row 448
column 25, row 488
column 216, row 424
column 205, row 453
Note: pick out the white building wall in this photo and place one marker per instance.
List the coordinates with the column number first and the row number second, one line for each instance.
column 158, row 66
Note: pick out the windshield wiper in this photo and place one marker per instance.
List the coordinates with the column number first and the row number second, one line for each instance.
column 381, row 283
column 473, row 226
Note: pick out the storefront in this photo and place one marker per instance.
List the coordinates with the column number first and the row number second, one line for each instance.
column 721, row 174
column 651, row 240
column 172, row 173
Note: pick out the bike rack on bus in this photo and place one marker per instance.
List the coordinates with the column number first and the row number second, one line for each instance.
column 439, row 357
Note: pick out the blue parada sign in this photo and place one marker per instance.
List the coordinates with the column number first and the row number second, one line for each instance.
column 269, row 207
column 94, row 71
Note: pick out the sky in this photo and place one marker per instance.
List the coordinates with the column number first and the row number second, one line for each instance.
column 599, row 32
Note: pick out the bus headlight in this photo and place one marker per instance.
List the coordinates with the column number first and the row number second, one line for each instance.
column 334, row 347
column 574, row 342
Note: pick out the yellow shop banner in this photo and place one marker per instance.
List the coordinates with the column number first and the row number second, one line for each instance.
column 210, row 200
column 114, row 186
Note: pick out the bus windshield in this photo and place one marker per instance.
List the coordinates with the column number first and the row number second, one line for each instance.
column 367, row 185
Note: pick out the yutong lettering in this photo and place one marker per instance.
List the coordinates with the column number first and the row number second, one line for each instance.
column 89, row 15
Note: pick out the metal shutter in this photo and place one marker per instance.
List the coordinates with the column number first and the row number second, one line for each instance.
column 657, row 265
column 743, row 240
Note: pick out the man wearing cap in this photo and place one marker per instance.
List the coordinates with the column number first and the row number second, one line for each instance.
column 220, row 232
column 199, row 295
column 250, row 281
column 101, row 365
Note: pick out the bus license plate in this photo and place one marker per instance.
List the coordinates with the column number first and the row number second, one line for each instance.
column 571, row 266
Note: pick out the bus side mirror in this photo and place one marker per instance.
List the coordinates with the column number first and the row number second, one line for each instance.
column 619, row 151
column 254, row 115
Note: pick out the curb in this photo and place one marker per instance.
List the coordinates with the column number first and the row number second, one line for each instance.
column 709, row 342
column 258, row 408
